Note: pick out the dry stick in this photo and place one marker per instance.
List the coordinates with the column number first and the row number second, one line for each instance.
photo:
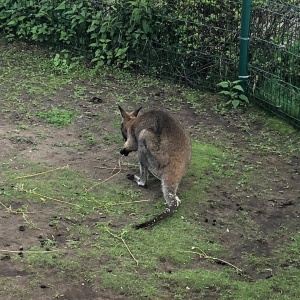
column 28, row 251
column 24, row 215
column 30, row 222
column 129, row 202
column 46, row 197
column 128, row 167
column 42, row 173
column 120, row 238
column 10, row 210
column 204, row 255
column 120, row 169
column 106, row 168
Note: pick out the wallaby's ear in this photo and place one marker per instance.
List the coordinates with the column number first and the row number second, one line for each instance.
column 135, row 113
column 124, row 114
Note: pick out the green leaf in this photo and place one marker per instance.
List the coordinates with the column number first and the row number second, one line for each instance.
column 121, row 51
column 94, row 45
column 244, row 98
column 12, row 23
column 235, row 103
column 223, row 84
column 227, row 93
column 146, row 27
column 61, row 6
column 238, row 87
column 236, row 82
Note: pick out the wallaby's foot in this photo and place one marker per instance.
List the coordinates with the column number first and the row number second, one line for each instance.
column 137, row 180
column 130, row 176
column 124, row 152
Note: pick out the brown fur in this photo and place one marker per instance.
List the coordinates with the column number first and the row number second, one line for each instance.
column 163, row 148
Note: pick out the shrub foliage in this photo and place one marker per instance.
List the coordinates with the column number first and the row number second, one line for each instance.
column 186, row 38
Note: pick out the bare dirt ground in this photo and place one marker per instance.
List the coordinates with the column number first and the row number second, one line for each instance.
column 268, row 199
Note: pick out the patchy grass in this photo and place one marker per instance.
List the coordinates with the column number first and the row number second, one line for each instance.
column 58, row 117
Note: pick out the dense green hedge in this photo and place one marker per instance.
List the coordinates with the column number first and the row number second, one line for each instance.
column 192, row 39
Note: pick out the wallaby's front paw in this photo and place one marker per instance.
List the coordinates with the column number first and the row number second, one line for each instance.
column 137, row 180
column 124, row 152
column 130, row 176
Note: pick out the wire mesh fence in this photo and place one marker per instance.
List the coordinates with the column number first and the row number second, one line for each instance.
column 195, row 42
column 200, row 45
column 275, row 58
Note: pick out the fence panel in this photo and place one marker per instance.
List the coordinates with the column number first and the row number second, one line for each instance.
column 200, row 46
column 275, row 58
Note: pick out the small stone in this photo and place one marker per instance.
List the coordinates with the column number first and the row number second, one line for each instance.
column 43, row 286
column 22, row 228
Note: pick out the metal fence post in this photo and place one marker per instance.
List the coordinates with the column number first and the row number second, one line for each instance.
column 244, row 43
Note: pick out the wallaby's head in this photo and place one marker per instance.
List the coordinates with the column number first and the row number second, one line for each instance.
column 127, row 120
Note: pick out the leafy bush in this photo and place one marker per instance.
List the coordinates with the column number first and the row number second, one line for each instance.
column 182, row 37
column 234, row 93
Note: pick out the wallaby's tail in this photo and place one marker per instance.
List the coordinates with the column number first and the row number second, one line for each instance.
column 167, row 212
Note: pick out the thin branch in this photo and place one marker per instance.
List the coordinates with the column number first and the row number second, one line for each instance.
column 42, row 173
column 202, row 254
column 24, row 215
column 105, row 180
column 123, row 241
column 21, row 189
column 27, row 251
column 129, row 202
column 30, row 222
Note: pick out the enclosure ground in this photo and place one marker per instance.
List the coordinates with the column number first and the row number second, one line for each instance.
column 67, row 209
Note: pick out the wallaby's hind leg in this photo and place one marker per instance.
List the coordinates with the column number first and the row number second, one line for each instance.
column 170, row 196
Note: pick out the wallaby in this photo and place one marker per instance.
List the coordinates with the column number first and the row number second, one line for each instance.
column 163, row 148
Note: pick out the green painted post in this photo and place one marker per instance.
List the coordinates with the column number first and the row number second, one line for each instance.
column 244, row 43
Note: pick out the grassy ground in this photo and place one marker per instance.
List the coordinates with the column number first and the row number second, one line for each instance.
column 66, row 209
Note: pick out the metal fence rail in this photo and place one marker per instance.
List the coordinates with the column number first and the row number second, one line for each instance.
column 197, row 42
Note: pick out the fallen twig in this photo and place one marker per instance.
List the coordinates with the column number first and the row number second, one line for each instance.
column 28, row 251
column 129, row 202
column 10, row 210
column 29, row 222
column 105, row 180
column 42, row 173
column 21, row 189
column 202, row 254
column 24, row 215
column 123, row 241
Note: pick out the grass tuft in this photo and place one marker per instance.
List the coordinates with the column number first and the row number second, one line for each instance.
column 58, row 117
